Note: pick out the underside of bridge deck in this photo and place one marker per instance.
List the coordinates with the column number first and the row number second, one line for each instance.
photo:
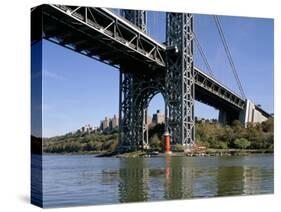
column 92, row 32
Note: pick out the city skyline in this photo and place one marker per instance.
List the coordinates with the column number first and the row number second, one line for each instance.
column 112, row 123
column 155, row 118
column 71, row 99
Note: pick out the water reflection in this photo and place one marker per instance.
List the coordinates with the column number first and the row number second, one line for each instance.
column 133, row 185
column 76, row 180
column 229, row 180
column 178, row 179
column 183, row 178
column 252, row 180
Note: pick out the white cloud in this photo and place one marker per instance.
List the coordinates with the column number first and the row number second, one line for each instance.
column 48, row 74
column 53, row 75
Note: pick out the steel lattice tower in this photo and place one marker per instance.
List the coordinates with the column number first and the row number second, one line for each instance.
column 180, row 85
column 132, row 111
column 137, row 17
column 176, row 85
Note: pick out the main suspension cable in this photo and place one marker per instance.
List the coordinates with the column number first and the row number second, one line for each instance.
column 227, row 51
column 197, row 43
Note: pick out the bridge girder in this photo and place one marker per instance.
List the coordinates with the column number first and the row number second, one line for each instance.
column 99, row 26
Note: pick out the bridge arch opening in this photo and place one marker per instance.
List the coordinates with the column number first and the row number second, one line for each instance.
column 156, row 120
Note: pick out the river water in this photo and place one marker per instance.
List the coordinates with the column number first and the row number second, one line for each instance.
column 70, row 180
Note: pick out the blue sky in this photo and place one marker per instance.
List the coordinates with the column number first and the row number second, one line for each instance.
column 78, row 90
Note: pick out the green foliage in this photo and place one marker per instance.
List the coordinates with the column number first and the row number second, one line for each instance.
column 268, row 126
column 157, row 129
column 241, row 143
column 255, row 136
column 211, row 135
column 81, row 142
column 155, row 143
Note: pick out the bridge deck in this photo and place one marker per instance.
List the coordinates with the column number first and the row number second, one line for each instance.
column 95, row 31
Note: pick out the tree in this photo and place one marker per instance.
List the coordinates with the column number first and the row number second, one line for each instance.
column 241, row 143
column 113, row 146
column 155, row 142
column 268, row 125
column 156, row 129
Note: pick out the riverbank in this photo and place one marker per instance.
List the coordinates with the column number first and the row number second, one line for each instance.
column 229, row 152
column 213, row 138
column 139, row 154
column 206, row 153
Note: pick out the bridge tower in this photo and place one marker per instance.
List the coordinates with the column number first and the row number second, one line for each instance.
column 137, row 17
column 180, row 83
column 176, row 84
column 133, row 130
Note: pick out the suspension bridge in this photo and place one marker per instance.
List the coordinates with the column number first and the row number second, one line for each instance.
column 148, row 67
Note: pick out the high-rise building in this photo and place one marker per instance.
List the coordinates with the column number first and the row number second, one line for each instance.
column 105, row 124
column 158, row 117
column 114, row 122
column 109, row 123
